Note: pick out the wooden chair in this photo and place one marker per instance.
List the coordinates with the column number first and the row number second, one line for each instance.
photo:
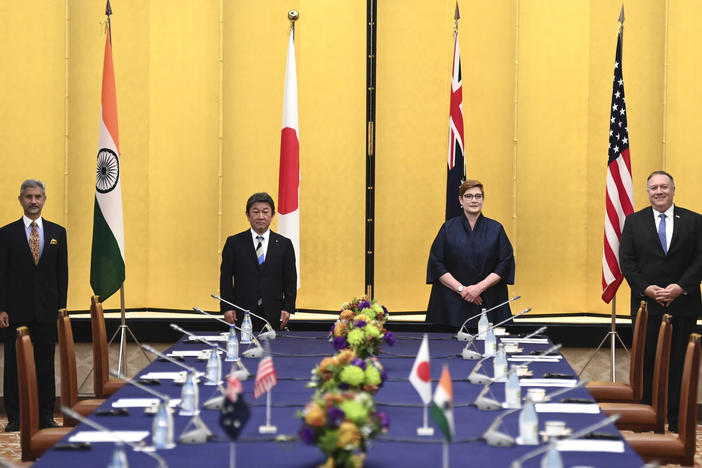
column 640, row 417
column 69, row 375
column 670, row 448
column 620, row 392
column 104, row 385
column 33, row 441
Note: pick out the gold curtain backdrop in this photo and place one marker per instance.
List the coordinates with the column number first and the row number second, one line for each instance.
column 200, row 95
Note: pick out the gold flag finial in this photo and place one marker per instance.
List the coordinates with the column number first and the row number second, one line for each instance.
column 456, row 16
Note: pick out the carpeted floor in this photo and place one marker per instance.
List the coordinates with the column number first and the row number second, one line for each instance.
column 10, row 445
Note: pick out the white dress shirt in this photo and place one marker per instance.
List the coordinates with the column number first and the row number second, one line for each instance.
column 40, row 229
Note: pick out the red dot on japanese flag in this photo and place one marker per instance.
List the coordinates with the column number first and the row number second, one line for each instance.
column 423, row 371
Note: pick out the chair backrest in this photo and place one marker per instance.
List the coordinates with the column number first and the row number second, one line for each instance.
column 67, row 355
column 28, row 393
column 661, row 369
column 688, row 397
column 637, row 352
column 101, row 358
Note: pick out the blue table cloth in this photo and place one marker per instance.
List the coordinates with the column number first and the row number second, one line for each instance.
column 295, row 354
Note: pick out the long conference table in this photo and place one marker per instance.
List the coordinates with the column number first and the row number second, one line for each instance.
column 295, row 354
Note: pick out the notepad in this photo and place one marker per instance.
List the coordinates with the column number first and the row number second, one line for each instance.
column 548, row 382
column 141, row 402
column 591, row 445
column 582, row 408
column 112, row 436
column 554, row 358
column 525, row 340
column 186, row 353
column 207, row 338
column 163, row 375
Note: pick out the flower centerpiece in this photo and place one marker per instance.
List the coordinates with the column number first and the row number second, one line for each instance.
column 345, row 371
column 361, row 327
column 340, row 424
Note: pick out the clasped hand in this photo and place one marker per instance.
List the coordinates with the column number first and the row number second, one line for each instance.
column 664, row 296
column 472, row 294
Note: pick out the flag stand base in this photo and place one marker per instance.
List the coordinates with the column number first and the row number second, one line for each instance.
column 425, row 431
column 267, row 429
column 613, row 336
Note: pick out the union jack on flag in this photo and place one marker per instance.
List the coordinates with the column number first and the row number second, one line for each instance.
column 456, row 169
column 620, row 190
column 266, row 378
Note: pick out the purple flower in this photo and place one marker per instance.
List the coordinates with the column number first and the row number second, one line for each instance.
column 306, row 435
column 385, row 311
column 384, row 419
column 344, row 386
column 383, row 376
column 390, row 338
column 340, row 343
column 360, row 324
column 359, row 362
column 364, row 305
column 335, row 416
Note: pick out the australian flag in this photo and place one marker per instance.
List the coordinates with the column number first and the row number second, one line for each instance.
column 235, row 412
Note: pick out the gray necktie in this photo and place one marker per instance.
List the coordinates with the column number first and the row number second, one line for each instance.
column 661, row 233
column 259, row 250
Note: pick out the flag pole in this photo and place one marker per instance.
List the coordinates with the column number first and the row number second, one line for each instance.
column 445, row 454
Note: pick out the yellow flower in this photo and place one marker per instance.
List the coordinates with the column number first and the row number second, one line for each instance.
column 327, row 464
column 348, row 435
column 315, row 415
column 363, row 317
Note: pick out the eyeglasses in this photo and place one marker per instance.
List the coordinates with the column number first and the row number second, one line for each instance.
column 470, row 196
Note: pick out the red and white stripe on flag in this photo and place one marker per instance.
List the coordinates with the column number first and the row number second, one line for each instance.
column 234, row 388
column 289, row 173
column 266, row 378
column 620, row 187
column 456, row 111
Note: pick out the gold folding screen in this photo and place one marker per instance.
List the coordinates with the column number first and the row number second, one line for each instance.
column 200, row 90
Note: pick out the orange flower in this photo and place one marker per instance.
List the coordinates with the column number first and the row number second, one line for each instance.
column 331, row 399
column 326, row 362
column 339, row 328
column 315, row 415
column 346, row 315
column 348, row 435
column 345, row 356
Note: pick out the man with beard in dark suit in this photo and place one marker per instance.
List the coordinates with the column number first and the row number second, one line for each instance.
column 258, row 268
column 660, row 254
column 33, row 287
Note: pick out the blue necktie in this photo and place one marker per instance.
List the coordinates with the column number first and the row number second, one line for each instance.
column 259, row 249
column 661, row 233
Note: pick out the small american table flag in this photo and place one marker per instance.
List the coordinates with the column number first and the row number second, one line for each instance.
column 266, row 378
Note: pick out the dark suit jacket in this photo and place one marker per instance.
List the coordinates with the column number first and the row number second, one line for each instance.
column 643, row 262
column 31, row 292
column 243, row 281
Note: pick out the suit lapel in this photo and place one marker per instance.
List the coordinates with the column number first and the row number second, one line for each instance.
column 21, row 234
column 679, row 219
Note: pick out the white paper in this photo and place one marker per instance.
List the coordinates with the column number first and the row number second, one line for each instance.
column 582, row 408
column 163, row 375
column 591, row 445
column 548, row 382
column 527, row 340
column 113, row 436
column 186, row 353
column 520, row 358
column 208, row 338
column 141, row 402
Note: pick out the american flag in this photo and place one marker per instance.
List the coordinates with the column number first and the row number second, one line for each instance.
column 266, row 378
column 620, row 192
column 456, row 170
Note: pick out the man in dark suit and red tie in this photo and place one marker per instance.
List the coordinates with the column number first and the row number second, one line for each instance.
column 33, row 287
column 660, row 254
column 258, row 268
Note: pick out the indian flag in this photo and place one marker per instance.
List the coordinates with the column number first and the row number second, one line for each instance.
column 442, row 406
column 107, row 259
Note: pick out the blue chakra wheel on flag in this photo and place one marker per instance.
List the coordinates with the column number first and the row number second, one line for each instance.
column 107, row 170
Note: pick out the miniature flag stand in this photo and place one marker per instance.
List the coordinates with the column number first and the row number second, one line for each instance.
column 420, row 378
column 266, row 378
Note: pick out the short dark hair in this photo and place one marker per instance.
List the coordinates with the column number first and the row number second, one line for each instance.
column 661, row 173
column 260, row 197
column 469, row 184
